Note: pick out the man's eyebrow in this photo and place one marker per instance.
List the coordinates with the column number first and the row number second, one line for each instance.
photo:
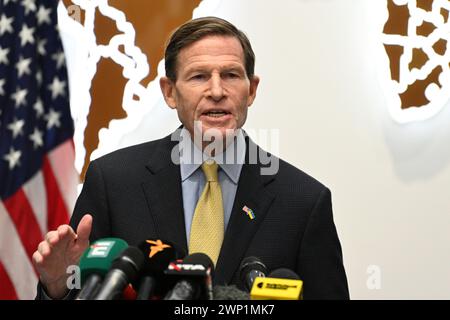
column 233, row 69
column 232, row 66
column 225, row 68
column 196, row 69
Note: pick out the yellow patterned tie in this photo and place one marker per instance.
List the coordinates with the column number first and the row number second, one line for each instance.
column 207, row 227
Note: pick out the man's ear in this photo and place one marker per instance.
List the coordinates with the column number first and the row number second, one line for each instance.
column 167, row 89
column 254, row 81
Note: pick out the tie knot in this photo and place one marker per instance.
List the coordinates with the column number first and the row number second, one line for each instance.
column 210, row 171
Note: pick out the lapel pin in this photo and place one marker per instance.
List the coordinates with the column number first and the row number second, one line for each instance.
column 249, row 212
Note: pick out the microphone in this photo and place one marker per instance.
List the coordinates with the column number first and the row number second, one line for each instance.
column 284, row 273
column 250, row 269
column 194, row 275
column 124, row 269
column 281, row 284
column 157, row 256
column 229, row 293
column 95, row 263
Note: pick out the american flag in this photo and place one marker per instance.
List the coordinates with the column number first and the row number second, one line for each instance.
column 37, row 175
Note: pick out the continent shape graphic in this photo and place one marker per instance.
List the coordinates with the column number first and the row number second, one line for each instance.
column 415, row 38
column 129, row 39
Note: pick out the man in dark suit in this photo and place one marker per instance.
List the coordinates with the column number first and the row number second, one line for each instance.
column 156, row 190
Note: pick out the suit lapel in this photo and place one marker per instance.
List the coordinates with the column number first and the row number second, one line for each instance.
column 241, row 229
column 164, row 195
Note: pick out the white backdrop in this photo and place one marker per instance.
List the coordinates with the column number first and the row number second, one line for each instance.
column 320, row 86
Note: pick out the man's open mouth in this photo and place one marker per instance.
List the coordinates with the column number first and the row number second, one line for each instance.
column 216, row 113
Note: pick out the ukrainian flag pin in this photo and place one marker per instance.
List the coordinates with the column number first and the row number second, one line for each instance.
column 249, row 212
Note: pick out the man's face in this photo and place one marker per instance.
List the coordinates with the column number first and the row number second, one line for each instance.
column 212, row 85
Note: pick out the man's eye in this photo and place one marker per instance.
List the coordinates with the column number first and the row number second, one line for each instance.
column 231, row 75
column 198, row 77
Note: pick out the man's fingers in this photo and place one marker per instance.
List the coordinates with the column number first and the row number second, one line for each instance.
column 44, row 249
column 65, row 235
column 65, row 230
column 52, row 238
column 84, row 228
column 37, row 258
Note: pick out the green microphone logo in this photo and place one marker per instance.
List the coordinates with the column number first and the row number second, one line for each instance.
column 100, row 249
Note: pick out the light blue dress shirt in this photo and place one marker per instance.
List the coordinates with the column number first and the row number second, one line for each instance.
column 193, row 179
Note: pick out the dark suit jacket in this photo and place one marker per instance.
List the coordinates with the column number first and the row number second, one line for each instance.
column 135, row 194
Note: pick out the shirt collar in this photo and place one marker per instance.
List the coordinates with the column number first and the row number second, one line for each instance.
column 230, row 161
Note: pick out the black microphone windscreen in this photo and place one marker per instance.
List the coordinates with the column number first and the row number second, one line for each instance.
column 157, row 256
column 124, row 269
column 284, row 273
column 199, row 258
column 229, row 293
column 251, row 268
column 191, row 278
column 130, row 262
column 251, row 263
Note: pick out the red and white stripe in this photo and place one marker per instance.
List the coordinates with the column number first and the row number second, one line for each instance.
column 42, row 204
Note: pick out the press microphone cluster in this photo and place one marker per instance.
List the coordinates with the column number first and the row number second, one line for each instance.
column 112, row 270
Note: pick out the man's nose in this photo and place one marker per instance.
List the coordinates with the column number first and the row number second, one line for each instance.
column 216, row 88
